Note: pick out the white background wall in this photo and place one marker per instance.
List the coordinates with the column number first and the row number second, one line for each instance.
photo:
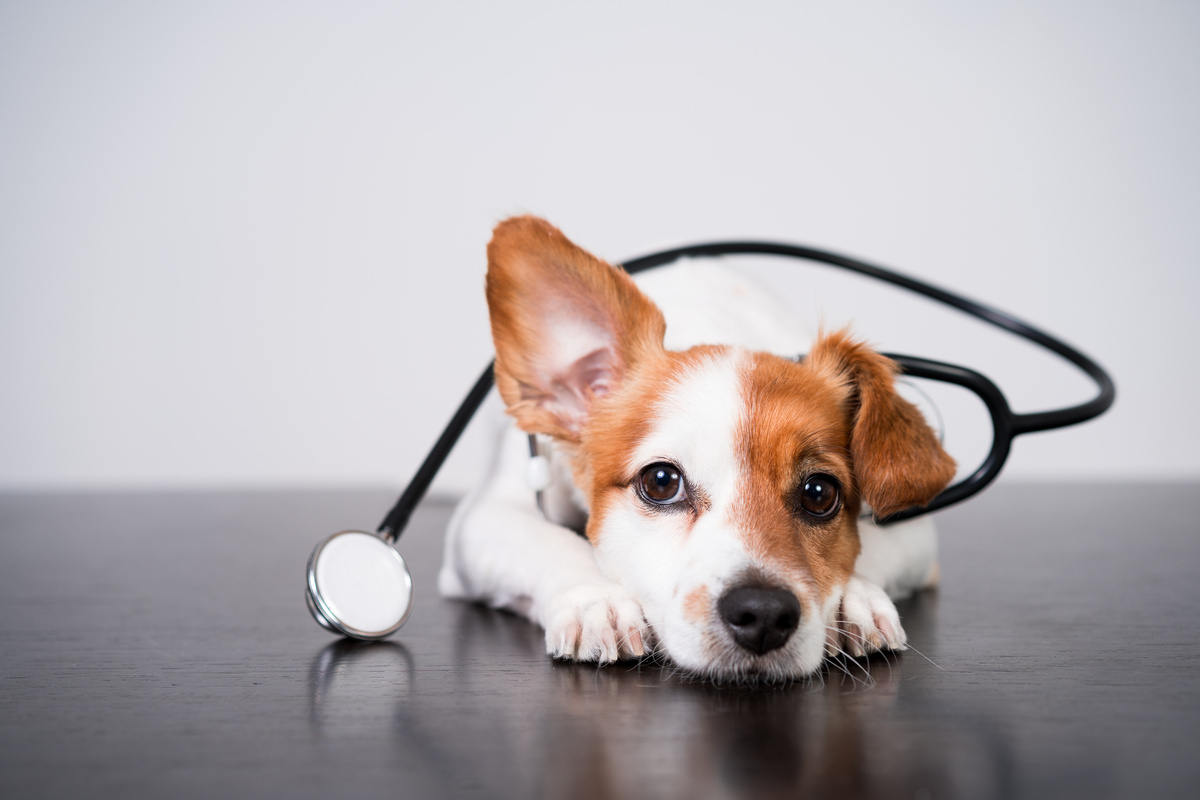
column 242, row 244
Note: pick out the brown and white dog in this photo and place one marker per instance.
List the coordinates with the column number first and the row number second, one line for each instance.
column 719, row 485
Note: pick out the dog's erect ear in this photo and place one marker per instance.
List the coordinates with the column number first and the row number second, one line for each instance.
column 566, row 325
column 898, row 460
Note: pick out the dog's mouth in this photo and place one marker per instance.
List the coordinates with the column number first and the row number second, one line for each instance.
column 736, row 667
column 715, row 654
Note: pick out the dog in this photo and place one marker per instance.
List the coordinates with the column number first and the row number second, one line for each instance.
column 706, row 486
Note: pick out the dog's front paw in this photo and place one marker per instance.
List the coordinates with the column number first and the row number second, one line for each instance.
column 595, row 622
column 867, row 621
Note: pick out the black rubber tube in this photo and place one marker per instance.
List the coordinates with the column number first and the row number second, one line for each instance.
column 1023, row 423
column 396, row 520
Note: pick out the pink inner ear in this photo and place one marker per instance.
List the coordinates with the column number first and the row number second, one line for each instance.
column 571, row 390
column 594, row 372
column 578, row 361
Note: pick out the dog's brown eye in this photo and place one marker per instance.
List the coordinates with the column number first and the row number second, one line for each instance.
column 661, row 484
column 819, row 497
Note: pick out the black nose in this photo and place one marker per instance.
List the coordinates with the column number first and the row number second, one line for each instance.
column 759, row 617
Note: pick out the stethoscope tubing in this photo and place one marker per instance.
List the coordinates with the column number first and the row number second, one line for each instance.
column 1022, row 423
column 1006, row 424
column 397, row 519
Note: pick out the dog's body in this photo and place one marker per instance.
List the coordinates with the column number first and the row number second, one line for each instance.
column 719, row 486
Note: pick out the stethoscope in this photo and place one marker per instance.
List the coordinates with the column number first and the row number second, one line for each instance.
column 359, row 585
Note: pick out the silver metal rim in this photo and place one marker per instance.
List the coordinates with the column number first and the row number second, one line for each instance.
column 324, row 615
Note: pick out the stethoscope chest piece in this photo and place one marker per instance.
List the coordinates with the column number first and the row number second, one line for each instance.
column 358, row 585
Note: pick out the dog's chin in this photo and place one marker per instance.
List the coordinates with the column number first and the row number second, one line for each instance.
column 721, row 661
column 744, row 669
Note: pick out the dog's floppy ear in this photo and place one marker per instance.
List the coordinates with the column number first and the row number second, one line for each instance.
column 898, row 460
column 566, row 325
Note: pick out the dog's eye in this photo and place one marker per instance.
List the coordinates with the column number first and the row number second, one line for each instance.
column 819, row 497
column 661, row 484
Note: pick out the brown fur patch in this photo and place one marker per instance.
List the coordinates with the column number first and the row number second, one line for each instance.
column 898, row 460
column 697, row 605
column 795, row 426
column 622, row 420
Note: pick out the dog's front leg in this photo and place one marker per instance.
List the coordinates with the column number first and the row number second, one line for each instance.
column 502, row 551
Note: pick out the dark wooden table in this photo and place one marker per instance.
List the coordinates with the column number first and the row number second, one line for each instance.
column 157, row 645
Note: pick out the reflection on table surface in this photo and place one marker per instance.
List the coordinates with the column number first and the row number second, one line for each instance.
column 646, row 731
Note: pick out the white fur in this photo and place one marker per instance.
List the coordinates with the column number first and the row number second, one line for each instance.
column 706, row 302
column 602, row 604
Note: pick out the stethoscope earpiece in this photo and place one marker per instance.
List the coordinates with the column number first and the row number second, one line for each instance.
column 358, row 585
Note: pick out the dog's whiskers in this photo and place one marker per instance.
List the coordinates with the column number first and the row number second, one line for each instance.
column 843, row 656
column 927, row 658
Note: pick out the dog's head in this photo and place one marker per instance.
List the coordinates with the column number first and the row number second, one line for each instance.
column 723, row 485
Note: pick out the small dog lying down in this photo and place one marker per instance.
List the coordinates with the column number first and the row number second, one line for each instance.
column 719, row 486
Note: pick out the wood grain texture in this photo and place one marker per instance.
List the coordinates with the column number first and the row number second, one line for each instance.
column 158, row 645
